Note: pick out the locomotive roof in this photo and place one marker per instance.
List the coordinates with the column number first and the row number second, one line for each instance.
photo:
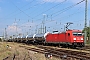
column 75, row 30
column 71, row 31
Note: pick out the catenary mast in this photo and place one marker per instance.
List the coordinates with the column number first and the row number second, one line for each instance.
column 85, row 22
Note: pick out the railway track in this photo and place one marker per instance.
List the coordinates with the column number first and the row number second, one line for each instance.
column 61, row 53
column 86, row 48
column 68, row 53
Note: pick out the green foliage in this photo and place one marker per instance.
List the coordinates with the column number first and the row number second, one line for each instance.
column 88, row 31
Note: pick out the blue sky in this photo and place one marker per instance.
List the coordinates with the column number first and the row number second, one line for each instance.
column 22, row 16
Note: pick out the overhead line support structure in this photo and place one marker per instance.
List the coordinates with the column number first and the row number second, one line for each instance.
column 85, row 36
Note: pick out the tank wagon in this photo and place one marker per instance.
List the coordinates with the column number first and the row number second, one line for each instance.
column 30, row 38
column 40, row 38
column 23, row 39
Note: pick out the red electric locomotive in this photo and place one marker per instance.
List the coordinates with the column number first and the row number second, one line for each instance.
column 68, row 38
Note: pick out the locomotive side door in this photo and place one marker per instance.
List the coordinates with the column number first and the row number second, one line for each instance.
column 68, row 37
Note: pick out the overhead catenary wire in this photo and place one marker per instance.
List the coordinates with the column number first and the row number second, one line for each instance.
column 60, row 11
column 27, row 4
column 26, row 9
column 63, row 10
column 66, row 9
column 20, row 8
column 49, row 9
column 29, row 8
column 73, row 5
column 70, row 15
column 42, row 12
column 62, row 25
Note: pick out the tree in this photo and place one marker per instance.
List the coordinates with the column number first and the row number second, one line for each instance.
column 88, row 32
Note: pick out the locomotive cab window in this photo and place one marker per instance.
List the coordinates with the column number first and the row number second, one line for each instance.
column 77, row 34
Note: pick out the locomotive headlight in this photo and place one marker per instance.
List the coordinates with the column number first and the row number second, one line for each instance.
column 81, row 38
column 74, row 38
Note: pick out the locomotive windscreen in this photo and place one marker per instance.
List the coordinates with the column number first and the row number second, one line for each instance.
column 77, row 33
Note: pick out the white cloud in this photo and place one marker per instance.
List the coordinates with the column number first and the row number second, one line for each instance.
column 13, row 29
column 17, row 29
